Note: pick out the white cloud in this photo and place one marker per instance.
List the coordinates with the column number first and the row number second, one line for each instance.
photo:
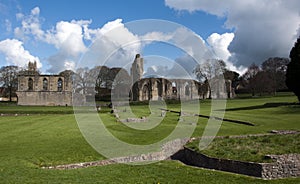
column 262, row 28
column 68, row 37
column 120, row 45
column 16, row 54
column 35, row 11
column 219, row 44
column 113, row 45
column 69, row 65
column 30, row 25
column 8, row 25
column 156, row 36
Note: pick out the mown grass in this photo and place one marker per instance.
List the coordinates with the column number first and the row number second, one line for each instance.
column 12, row 108
column 50, row 136
column 252, row 149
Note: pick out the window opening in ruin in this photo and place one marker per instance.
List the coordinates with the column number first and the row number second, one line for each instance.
column 45, row 84
column 145, row 93
column 59, row 85
column 187, row 89
column 30, row 84
column 174, row 88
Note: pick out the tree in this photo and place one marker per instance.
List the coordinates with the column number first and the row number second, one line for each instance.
column 117, row 77
column 275, row 70
column 293, row 70
column 208, row 70
column 233, row 76
column 120, row 82
column 250, row 79
column 68, row 74
column 84, row 81
column 9, row 80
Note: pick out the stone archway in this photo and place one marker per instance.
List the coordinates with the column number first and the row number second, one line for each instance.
column 187, row 89
column 145, row 93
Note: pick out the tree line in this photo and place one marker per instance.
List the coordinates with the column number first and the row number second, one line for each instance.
column 273, row 75
column 268, row 78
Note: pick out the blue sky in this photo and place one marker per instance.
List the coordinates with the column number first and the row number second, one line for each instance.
column 58, row 33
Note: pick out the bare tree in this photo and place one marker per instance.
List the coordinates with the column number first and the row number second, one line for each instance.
column 100, row 74
column 9, row 80
column 120, row 83
column 275, row 70
column 206, row 71
column 84, row 81
column 250, row 79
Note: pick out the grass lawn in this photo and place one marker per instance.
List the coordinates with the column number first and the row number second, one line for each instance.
column 253, row 149
column 50, row 136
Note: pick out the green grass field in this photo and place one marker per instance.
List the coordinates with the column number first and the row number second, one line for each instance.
column 50, row 136
column 252, row 149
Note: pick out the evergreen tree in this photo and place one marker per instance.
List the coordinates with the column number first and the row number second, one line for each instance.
column 293, row 70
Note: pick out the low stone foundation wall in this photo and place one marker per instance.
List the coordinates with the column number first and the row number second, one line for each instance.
column 284, row 165
column 167, row 150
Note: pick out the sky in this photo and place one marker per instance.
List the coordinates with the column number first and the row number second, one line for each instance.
column 171, row 35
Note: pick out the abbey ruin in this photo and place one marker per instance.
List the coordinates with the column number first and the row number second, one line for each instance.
column 176, row 89
column 57, row 90
column 46, row 90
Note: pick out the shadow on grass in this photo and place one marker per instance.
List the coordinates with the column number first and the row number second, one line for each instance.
column 264, row 106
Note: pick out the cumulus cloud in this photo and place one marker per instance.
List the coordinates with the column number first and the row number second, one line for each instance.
column 113, row 45
column 262, row 28
column 15, row 53
column 30, row 25
column 219, row 44
column 119, row 45
column 67, row 37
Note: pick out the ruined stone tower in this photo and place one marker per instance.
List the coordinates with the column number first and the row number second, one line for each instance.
column 137, row 68
column 136, row 72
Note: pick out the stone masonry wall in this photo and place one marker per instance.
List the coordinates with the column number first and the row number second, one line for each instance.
column 47, row 98
column 284, row 166
column 194, row 158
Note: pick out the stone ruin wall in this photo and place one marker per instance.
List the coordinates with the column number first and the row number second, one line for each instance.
column 160, row 88
column 283, row 166
column 40, row 96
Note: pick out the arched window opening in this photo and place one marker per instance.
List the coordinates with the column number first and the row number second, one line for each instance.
column 30, row 84
column 145, row 93
column 174, row 88
column 187, row 90
column 59, row 85
column 45, row 84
